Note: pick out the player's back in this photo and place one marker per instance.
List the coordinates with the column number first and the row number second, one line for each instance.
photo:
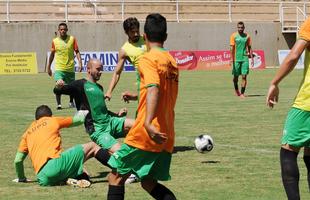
column 156, row 68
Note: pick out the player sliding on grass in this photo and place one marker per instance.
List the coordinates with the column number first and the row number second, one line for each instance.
column 149, row 144
column 102, row 125
column 296, row 133
column 42, row 142
column 240, row 49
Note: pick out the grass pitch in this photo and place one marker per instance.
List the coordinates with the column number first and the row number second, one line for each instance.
column 244, row 163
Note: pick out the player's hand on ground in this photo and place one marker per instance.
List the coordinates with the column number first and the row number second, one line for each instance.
column 21, row 180
column 272, row 96
column 122, row 112
column 60, row 83
column 155, row 135
column 128, row 96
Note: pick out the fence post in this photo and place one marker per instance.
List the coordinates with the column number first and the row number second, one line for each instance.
column 8, row 11
column 229, row 11
column 123, row 8
column 177, row 10
column 66, row 11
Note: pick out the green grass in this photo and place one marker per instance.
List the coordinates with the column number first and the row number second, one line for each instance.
column 244, row 163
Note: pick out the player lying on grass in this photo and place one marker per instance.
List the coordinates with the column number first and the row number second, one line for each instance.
column 42, row 142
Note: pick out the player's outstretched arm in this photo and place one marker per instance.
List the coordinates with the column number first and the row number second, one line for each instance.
column 19, row 167
column 152, row 99
column 117, row 73
column 286, row 67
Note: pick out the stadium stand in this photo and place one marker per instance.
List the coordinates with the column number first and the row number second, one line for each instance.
column 289, row 12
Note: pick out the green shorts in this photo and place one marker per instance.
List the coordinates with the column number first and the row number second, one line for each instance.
column 107, row 138
column 143, row 164
column 69, row 165
column 67, row 77
column 297, row 128
column 240, row 68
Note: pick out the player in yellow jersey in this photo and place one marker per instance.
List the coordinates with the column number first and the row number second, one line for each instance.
column 63, row 48
column 131, row 51
column 296, row 133
column 148, row 146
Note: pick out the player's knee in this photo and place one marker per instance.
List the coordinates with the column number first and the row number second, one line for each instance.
column 115, row 147
column 115, row 178
column 148, row 185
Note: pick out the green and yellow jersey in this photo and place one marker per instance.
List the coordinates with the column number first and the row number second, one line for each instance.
column 134, row 50
column 64, row 53
column 302, row 99
column 240, row 43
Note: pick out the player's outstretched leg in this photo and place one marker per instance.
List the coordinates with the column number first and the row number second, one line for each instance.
column 307, row 162
column 157, row 190
column 290, row 173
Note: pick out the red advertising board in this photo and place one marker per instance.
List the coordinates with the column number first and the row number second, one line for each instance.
column 212, row 60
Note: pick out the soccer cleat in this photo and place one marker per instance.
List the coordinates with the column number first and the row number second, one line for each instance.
column 59, row 107
column 132, row 179
column 78, row 183
column 242, row 96
column 71, row 105
column 237, row 93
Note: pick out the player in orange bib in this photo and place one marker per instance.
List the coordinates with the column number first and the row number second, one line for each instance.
column 149, row 144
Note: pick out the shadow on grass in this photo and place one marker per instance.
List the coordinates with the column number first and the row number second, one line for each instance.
column 210, row 162
column 255, row 95
column 98, row 178
column 101, row 175
column 182, row 149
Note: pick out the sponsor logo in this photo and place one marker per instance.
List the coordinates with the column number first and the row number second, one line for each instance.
column 185, row 60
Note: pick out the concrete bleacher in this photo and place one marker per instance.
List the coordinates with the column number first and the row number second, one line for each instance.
column 188, row 10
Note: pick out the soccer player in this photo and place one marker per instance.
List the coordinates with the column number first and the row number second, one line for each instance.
column 240, row 50
column 42, row 142
column 149, row 144
column 102, row 125
column 131, row 51
column 64, row 47
column 296, row 133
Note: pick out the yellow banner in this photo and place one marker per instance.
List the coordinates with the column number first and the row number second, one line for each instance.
column 18, row 63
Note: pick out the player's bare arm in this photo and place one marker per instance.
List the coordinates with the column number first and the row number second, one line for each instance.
column 78, row 56
column 232, row 54
column 117, row 73
column 50, row 60
column 250, row 54
column 152, row 99
column 286, row 67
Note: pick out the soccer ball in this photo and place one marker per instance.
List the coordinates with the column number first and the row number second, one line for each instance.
column 204, row 143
